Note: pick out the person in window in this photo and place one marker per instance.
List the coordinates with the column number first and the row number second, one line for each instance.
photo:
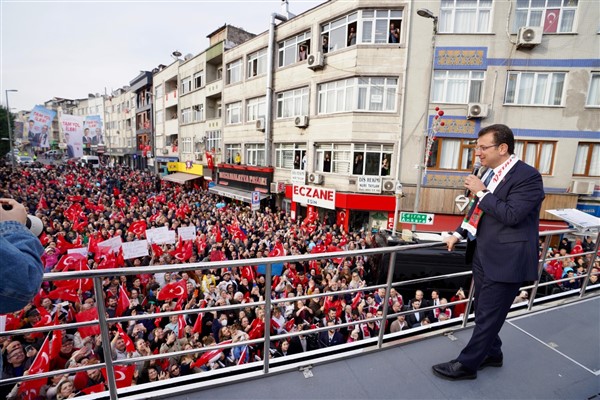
column 237, row 159
column 327, row 163
column 297, row 161
column 302, row 53
column 351, row 37
column 325, row 44
column 394, row 36
column 385, row 167
column 358, row 164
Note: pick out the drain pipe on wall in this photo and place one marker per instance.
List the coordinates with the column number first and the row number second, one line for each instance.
column 269, row 100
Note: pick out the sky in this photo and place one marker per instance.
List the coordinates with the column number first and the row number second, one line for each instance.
column 71, row 48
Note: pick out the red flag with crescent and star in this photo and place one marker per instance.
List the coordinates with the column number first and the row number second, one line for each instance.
column 31, row 389
column 173, row 290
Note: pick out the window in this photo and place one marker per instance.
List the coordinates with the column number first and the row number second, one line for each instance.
column 555, row 16
column 380, row 26
column 465, row 16
column 198, row 112
column 186, row 115
column 234, row 72
column 339, row 34
column 538, row 154
column 257, row 63
column 186, row 85
column 452, row 154
column 535, row 88
column 255, row 108
column 213, row 140
column 186, row 145
column 159, row 117
column 198, row 79
column 459, row 87
column 354, row 159
column 593, row 98
column 292, row 103
column 587, row 160
column 234, row 113
column 290, row 155
column 255, row 154
column 231, row 150
column 358, row 94
column 159, row 91
column 289, row 50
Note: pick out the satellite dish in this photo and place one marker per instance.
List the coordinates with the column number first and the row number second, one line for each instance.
column 176, row 53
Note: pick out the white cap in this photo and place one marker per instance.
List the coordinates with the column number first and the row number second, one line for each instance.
column 34, row 224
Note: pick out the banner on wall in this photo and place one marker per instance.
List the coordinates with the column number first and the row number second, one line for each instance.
column 92, row 129
column 38, row 126
column 72, row 127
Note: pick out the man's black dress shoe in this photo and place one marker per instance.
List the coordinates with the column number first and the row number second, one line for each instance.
column 491, row 362
column 453, row 371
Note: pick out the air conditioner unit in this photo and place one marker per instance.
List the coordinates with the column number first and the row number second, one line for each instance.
column 315, row 61
column 388, row 185
column 260, row 124
column 301, row 121
column 165, row 151
column 315, row 179
column 477, row 110
column 529, row 37
column 275, row 187
column 582, row 187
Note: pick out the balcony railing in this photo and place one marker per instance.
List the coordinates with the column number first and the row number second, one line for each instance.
column 266, row 365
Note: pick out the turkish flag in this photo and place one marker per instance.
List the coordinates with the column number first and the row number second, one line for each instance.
column 120, row 203
column 197, row 328
column 289, row 325
column 201, row 244
column 44, row 239
column 551, row 20
column 120, row 259
column 173, row 290
column 74, row 199
column 31, row 389
column 129, row 346
column 123, row 375
column 331, row 249
column 209, row 160
column 56, row 342
column 217, row 232
column 356, row 300
column 138, row 228
column 68, row 293
column 161, row 198
column 257, row 329
column 248, row 272
column 107, row 260
column 123, row 302
column 277, row 250
column 183, row 252
column 243, row 356
column 209, row 356
column 157, row 250
column 70, row 262
column 88, row 315
column 93, row 243
column 181, row 326
column 341, row 218
column 42, row 204
column 62, row 245
column 99, row 388
column 45, row 318
column 133, row 200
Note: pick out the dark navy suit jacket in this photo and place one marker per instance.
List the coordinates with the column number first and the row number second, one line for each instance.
column 508, row 232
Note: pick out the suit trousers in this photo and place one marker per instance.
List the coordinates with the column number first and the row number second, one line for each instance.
column 492, row 304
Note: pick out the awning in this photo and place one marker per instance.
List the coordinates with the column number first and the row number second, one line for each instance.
column 236, row 194
column 180, row 177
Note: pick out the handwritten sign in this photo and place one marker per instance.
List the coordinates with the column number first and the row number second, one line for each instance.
column 187, row 232
column 135, row 249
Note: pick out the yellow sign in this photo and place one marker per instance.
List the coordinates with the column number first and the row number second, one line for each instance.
column 187, row 167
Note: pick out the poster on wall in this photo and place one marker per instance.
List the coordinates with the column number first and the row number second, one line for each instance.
column 72, row 127
column 38, row 126
column 92, row 130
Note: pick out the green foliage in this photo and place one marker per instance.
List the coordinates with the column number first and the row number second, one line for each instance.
column 4, row 144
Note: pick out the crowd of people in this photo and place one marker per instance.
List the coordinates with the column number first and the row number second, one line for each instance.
column 82, row 207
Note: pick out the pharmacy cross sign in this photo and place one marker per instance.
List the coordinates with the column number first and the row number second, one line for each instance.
column 416, row 218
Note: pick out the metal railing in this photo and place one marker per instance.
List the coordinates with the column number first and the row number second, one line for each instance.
column 266, row 364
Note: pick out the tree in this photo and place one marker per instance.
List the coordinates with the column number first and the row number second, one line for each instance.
column 4, row 143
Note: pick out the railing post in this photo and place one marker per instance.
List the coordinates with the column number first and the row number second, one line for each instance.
column 589, row 269
column 540, row 271
column 267, row 343
column 386, row 301
column 110, row 371
column 471, row 297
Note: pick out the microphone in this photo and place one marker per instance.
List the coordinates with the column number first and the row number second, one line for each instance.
column 33, row 223
column 475, row 172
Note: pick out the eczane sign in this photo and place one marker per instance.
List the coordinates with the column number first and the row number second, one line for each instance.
column 314, row 196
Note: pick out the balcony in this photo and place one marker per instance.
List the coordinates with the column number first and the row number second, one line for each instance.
column 213, row 124
column 171, row 127
column 170, row 98
column 214, row 89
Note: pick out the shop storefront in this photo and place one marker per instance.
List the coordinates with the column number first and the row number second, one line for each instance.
column 238, row 182
column 187, row 174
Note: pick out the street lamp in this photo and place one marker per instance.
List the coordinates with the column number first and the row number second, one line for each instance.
column 425, row 13
column 10, row 140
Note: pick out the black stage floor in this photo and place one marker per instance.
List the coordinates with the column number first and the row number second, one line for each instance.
column 552, row 354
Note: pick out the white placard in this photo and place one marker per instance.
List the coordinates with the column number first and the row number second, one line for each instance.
column 187, row 232
column 314, row 196
column 82, row 250
column 368, row 184
column 160, row 235
column 577, row 218
column 137, row 248
column 114, row 243
column 298, row 177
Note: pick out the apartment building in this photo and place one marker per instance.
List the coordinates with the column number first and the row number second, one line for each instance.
column 141, row 88
column 348, row 109
column 119, row 117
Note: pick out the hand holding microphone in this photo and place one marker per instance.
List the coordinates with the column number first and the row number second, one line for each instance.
column 12, row 210
column 473, row 182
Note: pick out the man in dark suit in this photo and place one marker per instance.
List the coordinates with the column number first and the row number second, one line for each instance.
column 415, row 319
column 330, row 337
column 502, row 229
